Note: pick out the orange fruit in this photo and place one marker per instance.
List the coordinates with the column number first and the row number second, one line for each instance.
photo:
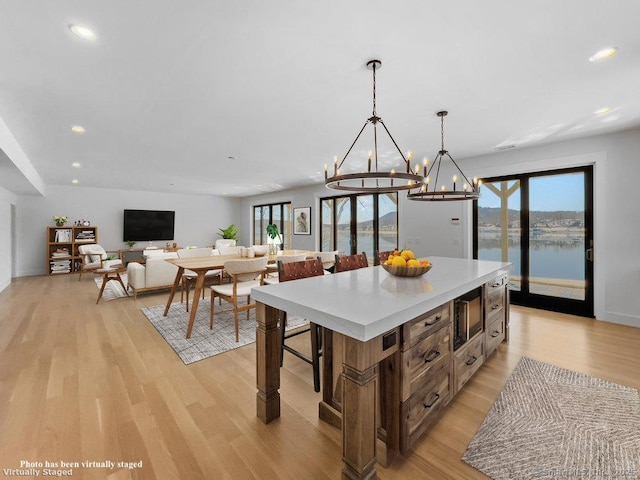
column 399, row 262
column 407, row 254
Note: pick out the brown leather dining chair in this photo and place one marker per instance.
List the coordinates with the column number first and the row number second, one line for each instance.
column 383, row 256
column 351, row 262
column 288, row 271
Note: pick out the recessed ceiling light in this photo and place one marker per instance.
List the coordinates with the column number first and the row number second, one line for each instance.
column 602, row 111
column 604, row 53
column 78, row 129
column 75, row 181
column 75, row 164
column 83, row 32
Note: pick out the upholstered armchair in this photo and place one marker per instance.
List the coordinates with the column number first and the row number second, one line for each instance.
column 95, row 257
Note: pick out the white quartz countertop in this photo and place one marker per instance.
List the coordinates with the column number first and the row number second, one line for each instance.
column 367, row 302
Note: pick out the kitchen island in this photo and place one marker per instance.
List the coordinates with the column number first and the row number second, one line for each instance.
column 377, row 317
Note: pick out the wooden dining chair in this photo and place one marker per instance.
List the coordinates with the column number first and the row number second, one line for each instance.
column 351, row 262
column 328, row 259
column 245, row 274
column 189, row 277
column 288, row 271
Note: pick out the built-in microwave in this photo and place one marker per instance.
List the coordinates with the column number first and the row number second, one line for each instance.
column 467, row 317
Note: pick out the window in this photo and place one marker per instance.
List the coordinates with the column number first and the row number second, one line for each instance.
column 278, row 213
column 541, row 222
column 359, row 223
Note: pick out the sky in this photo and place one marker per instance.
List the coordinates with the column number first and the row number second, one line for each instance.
column 548, row 193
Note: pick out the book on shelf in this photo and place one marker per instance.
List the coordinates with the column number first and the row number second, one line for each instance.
column 86, row 235
column 63, row 235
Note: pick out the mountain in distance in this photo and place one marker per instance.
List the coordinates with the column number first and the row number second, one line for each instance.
column 388, row 220
column 492, row 216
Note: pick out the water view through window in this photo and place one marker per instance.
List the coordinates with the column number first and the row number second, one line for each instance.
column 554, row 229
column 360, row 223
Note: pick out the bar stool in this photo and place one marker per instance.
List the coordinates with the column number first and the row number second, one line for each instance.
column 288, row 271
column 351, row 262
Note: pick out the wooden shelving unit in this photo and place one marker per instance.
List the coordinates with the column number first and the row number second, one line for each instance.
column 62, row 248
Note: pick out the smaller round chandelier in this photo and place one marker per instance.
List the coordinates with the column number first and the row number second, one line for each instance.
column 372, row 179
column 432, row 191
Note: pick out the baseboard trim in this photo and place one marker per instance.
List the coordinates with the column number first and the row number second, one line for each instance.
column 629, row 320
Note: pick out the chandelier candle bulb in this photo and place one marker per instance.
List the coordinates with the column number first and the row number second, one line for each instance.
column 368, row 164
column 455, row 179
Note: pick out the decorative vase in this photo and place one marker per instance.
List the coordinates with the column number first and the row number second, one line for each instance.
column 273, row 250
column 60, row 224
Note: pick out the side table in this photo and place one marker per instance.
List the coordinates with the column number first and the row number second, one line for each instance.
column 110, row 274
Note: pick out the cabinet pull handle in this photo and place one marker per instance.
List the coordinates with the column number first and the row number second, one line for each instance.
column 432, row 356
column 497, row 284
column 495, row 333
column 472, row 360
column 434, row 321
column 495, row 306
column 435, row 397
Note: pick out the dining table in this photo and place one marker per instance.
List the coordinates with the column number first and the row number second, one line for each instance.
column 200, row 266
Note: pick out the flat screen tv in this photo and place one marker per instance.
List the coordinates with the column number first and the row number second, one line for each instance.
column 148, row 225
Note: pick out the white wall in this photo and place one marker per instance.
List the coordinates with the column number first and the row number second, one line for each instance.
column 425, row 228
column 197, row 221
column 7, row 199
column 428, row 229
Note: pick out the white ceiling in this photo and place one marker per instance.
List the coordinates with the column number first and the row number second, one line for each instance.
column 171, row 90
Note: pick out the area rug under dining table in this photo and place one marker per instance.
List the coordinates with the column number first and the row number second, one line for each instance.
column 552, row 423
column 204, row 342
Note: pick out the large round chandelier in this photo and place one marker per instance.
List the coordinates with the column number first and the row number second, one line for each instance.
column 372, row 179
column 434, row 189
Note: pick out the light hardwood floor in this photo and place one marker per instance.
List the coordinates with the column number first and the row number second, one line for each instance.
column 85, row 382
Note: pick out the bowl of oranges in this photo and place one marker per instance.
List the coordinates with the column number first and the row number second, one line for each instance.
column 405, row 264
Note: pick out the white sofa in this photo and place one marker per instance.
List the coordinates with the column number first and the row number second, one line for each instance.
column 155, row 274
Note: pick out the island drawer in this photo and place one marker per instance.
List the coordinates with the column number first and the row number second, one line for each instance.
column 494, row 334
column 424, row 325
column 468, row 359
column 424, row 406
column 419, row 363
column 496, row 285
column 494, row 307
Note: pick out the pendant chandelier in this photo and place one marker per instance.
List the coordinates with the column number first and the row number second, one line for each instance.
column 372, row 179
column 434, row 189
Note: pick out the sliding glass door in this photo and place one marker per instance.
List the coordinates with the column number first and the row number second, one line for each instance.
column 543, row 224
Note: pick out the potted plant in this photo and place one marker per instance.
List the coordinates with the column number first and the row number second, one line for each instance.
column 60, row 221
column 231, row 232
column 274, row 240
column 131, row 243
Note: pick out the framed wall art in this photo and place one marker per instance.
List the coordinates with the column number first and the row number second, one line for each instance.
column 302, row 221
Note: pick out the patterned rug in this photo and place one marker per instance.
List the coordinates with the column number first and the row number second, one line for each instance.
column 113, row 289
column 205, row 343
column 553, row 423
